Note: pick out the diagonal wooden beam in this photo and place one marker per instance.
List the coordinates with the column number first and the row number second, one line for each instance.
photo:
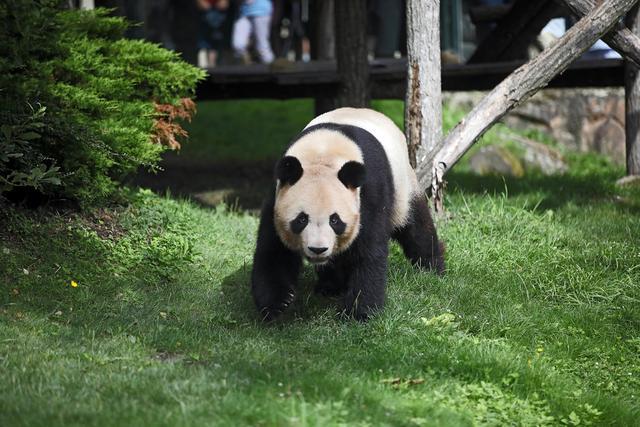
column 524, row 20
column 620, row 38
column 518, row 48
column 519, row 86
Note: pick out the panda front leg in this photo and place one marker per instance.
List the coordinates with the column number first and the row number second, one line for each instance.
column 366, row 285
column 275, row 270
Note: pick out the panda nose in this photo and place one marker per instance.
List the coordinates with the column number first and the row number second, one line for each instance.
column 317, row 251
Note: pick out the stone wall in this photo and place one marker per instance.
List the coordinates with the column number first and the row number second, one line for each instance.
column 581, row 119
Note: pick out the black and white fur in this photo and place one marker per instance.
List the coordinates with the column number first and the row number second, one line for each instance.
column 343, row 189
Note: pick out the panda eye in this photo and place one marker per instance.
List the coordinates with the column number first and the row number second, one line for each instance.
column 336, row 223
column 299, row 223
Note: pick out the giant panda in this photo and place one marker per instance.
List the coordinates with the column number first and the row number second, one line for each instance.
column 343, row 188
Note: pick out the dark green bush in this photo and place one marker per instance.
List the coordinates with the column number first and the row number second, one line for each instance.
column 110, row 102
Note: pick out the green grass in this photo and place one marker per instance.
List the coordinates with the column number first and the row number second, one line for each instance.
column 537, row 321
column 244, row 131
column 249, row 130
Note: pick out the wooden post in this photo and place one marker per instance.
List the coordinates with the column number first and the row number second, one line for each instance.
column 519, row 86
column 632, row 104
column 351, row 53
column 423, row 101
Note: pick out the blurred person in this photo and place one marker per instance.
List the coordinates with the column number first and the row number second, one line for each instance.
column 254, row 19
column 213, row 14
column 557, row 27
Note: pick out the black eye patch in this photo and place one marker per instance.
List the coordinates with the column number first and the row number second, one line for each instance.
column 336, row 223
column 299, row 223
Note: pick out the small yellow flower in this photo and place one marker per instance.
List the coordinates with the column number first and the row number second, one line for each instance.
column 74, row 284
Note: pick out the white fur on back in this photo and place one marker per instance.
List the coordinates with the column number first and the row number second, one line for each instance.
column 395, row 146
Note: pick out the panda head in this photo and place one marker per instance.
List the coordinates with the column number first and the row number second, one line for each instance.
column 317, row 211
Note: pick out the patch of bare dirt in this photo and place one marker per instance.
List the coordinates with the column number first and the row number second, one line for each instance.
column 105, row 222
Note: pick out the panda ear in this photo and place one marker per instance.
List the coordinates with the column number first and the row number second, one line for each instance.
column 288, row 170
column 352, row 174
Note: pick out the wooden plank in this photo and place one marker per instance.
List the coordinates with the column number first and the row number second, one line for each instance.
column 388, row 79
column 584, row 73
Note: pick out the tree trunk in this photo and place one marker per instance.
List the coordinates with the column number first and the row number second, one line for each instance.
column 520, row 85
column 632, row 96
column 323, row 45
column 323, row 41
column 620, row 38
column 351, row 53
column 423, row 102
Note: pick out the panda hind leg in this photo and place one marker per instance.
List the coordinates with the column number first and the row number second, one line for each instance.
column 332, row 281
column 419, row 240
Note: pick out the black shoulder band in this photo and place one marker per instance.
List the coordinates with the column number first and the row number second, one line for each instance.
column 354, row 133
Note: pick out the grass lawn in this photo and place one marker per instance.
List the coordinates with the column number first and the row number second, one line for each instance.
column 141, row 314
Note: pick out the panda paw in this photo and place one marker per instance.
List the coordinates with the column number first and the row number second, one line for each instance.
column 435, row 262
column 357, row 310
column 271, row 311
column 361, row 315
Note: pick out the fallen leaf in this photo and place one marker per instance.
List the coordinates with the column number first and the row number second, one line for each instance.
column 399, row 382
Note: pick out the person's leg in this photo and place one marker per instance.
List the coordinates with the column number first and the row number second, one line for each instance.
column 203, row 40
column 262, row 30
column 240, row 37
column 212, row 58
column 217, row 21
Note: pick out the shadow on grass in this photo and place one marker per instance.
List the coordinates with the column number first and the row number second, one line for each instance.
column 160, row 304
column 557, row 191
column 243, row 185
column 307, row 305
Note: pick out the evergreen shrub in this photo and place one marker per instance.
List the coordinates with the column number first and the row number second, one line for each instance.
column 80, row 105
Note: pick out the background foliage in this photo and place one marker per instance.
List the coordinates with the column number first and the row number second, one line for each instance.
column 80, row 105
